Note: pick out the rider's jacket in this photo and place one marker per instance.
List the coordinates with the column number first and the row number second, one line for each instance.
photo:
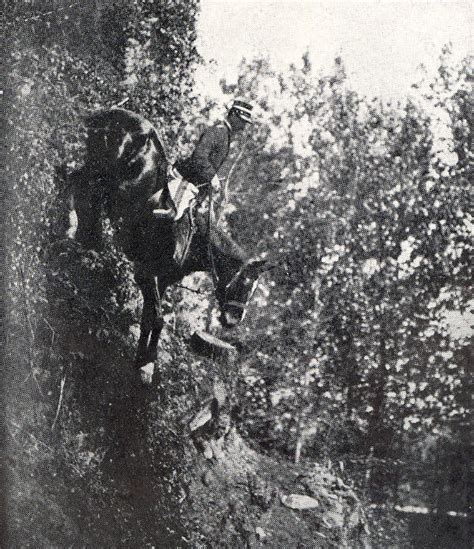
column 208, row 156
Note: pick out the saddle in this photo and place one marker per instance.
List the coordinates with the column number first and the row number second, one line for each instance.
column 173, row 201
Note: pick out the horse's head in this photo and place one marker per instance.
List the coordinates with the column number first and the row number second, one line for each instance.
column 234, row 296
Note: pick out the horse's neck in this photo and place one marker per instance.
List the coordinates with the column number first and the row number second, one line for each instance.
column 217, row 255
column 225, row 257
column 227, row 269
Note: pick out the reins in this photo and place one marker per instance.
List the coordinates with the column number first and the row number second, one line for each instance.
column 234, row 279
column 215, row 276
column 213, row 270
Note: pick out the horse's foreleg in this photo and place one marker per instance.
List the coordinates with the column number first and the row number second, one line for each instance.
column 150, row 328
column 159, row 289
column 149, row 292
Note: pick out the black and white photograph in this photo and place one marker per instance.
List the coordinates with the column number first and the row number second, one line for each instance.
column 237, row 274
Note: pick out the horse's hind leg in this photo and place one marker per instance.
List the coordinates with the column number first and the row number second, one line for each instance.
column 150, row 327
column 158, row 323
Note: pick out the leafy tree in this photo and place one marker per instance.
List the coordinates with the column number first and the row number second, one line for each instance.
column 373, row 225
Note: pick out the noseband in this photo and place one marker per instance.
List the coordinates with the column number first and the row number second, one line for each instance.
column 237, row 304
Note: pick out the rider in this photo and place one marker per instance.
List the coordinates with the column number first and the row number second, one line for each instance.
column 212, row 149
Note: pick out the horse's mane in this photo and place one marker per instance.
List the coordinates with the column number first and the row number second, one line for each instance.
column 227, row 247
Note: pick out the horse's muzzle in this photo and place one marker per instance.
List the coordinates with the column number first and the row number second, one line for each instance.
column 228, row 320
column 232, row 314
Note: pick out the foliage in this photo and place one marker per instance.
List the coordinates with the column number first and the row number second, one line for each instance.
column 72, row 401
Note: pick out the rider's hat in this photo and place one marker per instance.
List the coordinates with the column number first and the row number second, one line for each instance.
column 243, row 109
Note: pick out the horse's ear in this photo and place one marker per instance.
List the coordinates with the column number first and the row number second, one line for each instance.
column 258, row 266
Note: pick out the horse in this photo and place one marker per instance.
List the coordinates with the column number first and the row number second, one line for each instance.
column 125, row 164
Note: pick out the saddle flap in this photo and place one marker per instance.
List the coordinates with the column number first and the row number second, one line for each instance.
column 182, row 193
column 178, row 199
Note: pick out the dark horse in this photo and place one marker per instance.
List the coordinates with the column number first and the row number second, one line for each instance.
column 125, row 164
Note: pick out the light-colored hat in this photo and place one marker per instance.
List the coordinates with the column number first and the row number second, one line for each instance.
column 243, row 109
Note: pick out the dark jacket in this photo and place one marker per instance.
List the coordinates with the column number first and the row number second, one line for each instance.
column 208, row 156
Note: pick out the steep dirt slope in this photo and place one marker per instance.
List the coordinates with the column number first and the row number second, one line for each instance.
column 120, row 466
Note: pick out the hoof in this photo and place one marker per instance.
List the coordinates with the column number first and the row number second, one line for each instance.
column 146, row 373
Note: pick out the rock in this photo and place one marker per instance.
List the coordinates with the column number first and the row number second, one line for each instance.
column 207, row 478
column 135, row 332
column 164, row 357
column 146, row 373
column 208, row 453
column 217, row 447
column 261, row 534
column 299, row 501
column 354, row 518
column 219, row 391
column 334, row 518
column 201, row 418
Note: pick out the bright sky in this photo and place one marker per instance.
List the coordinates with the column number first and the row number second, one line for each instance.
column 381, row 41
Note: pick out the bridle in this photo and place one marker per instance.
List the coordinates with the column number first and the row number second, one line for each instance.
column 238, row 304
column 230, row 284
